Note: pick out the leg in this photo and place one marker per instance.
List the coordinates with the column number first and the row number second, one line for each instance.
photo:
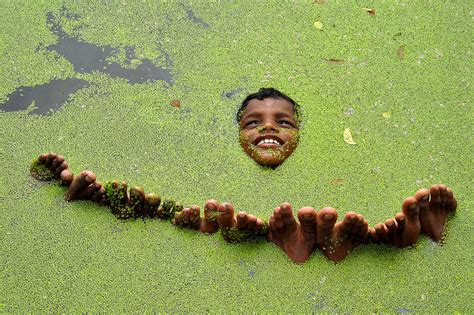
column 296, row 239
column 244, row 227
column 337, row 240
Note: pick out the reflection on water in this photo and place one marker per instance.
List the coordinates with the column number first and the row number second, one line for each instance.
column 87, row 57
column 47, row 97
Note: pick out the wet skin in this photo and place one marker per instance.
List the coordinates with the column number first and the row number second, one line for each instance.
column 426, row 212
column 273, row 120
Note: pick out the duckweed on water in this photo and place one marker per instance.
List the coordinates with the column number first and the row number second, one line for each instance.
column 72, row 257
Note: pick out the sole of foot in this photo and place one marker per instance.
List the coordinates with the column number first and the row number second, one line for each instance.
column 296, row 238
column 337, row 240
column 401, row 231
column 191, row 217
column 240, row 228
column 435, row 205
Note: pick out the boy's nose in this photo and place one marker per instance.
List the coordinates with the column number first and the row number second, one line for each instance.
column 269, row 126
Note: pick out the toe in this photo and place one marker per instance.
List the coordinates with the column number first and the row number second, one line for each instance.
column 381, row 232
column 435, row 197
column 259, row 226
column 50, row 158
column 410, row 208
column 279, row 225
column 443, row 193
column 451, row 201
column 307, row 218
column 391, row 228
column 242, row 219
column 401, row 221
column 226, row 215
column 195, row 212
column 56, row 163
column 287, row 215
column 326, row 219
column 210, row 209
column 422, row 199
column 347, row 223
column 251, row 222
column 66, row 177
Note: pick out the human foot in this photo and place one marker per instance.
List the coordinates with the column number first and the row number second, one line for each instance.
column 117, row 198
column 84, row 186
column 191, row 217
column 241, row 228
column 336, row 241
column 296, row 239
column 435, row 210
column 403, row 230
column 50, row 166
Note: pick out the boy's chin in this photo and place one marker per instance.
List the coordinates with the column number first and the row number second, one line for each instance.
column 269, row 160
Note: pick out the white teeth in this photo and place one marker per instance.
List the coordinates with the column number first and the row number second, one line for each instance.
column 268, row 141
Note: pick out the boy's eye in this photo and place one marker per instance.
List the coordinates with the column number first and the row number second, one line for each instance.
column 251, row 123
column 285, row 122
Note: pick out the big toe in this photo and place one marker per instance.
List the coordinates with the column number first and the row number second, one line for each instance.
column 326, row 219
column 226, row 215
column 410, row 209
column 307, row 217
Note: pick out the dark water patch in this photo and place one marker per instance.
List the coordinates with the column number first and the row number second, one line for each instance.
column 193, row 18
column 47, row 97
column 232, row 93
column 87, row 57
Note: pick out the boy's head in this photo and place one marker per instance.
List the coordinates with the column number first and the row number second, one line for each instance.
column 269, row 125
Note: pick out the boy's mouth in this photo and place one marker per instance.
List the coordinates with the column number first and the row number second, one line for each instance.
column 267, row 142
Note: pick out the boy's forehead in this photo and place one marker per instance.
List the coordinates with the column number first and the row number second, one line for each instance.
column 269, row 104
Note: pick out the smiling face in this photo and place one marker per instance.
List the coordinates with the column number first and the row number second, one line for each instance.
column 269, row 131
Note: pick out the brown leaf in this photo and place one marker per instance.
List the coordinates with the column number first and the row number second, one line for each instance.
column 401, row 52
column 334, row 61
column 319, row 1
column 176, row 103
column 370, row 11
column 337, row 181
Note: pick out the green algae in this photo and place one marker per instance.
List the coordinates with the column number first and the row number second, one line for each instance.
column 75, row 257
column 39, row 171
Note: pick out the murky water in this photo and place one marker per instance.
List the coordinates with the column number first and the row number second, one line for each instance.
column 88, row 57
column 85, row 58
column 47, row 97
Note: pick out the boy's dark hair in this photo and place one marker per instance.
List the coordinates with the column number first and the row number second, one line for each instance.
column 268, row 93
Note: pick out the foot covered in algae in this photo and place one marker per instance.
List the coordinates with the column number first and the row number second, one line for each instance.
column 50, row 166
column 337, row 240
column 435, row 210
column 243, row 227
column 191, row 217
column 296, row 238
column 403, row 230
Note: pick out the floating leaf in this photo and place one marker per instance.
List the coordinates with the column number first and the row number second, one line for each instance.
column 337, row 181
column 334, row 61
column 319, row 1
column 386, row 115
column 318, row 25
column 348, row 136
column 176, row 103
column 401, row 52
column 370, row 11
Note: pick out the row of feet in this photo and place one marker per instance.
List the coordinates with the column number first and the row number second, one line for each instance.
column 426, row 212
